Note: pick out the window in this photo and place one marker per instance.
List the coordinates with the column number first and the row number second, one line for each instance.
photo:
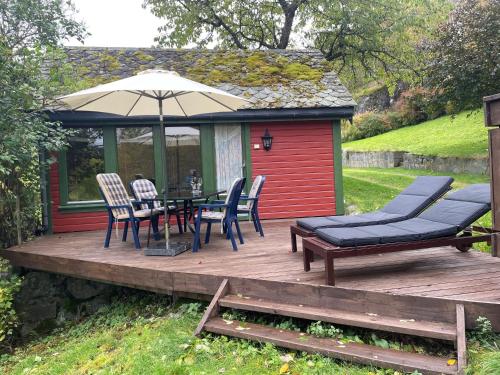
column 135, row 153
column 228, row 154
column 183, row 156
column 84, row 159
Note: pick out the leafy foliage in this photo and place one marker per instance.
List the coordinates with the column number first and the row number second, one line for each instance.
column 361, row 37
column 9, row 285
column 465, row 54
column 28, row 29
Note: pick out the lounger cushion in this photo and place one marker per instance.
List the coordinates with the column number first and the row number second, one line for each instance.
column 458, row 213
column 405, row 231
column 478, row 193
column 430, row 186
column 376, row 217
column 422, row 192
column 407, row 205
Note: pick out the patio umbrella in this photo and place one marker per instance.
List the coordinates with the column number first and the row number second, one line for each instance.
column 153, row 91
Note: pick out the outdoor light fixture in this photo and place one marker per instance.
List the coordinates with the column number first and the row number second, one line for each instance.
column 267, row 140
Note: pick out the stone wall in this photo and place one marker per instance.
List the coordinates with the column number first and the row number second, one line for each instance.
column 391, row 159
column 47, row 300
column 353, row 159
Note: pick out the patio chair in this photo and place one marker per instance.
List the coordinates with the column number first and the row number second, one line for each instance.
column 252, row 206
column 145, row 189
column 121, row 210
column 419, row 195
column 446, row 223
column 227, row 217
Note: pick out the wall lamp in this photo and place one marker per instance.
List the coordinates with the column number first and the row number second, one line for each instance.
column 267, row 140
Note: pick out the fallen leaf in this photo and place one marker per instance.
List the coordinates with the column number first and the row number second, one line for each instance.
column 286, row 358
column 240, row 328
column 284, row 369
column 406, row 320
column 371, row 314
column 246, row 297
column 227, row 321
column 341, row 346
column 451, row 362
column 240, row 295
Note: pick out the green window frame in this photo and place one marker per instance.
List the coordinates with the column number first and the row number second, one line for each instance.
column 207, row 144
column 110, row 165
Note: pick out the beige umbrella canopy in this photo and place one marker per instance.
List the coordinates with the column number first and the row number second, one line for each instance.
column 153, row 92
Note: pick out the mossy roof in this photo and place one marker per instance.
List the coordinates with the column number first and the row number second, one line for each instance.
column 268, row 79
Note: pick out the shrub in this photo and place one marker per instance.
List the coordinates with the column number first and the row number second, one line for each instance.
column 417, row 105
column 369, row 124
column 9, row 285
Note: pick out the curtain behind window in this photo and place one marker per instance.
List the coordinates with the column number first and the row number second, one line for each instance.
column 228, row 154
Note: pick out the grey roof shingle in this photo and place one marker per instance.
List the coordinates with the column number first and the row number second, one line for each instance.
column 268, row 79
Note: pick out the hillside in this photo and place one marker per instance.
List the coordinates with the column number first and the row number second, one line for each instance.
column 462, row 136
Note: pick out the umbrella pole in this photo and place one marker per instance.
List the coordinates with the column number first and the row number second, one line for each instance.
column 163, row 146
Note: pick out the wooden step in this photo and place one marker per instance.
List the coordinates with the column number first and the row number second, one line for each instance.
column 437, row 330
column 359, row 353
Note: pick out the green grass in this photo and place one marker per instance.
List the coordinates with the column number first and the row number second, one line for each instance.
column 148, row 337
column 462, row 136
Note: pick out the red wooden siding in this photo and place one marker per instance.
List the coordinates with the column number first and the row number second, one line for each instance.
column 299, row 169
column 72, row 221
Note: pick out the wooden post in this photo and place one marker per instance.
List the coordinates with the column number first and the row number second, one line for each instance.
column 492, row 119
column 461, row 340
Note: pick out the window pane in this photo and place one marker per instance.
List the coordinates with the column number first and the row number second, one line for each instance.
column 135, row 153
column 228, row 154
column 85, row 159
column 183, row 156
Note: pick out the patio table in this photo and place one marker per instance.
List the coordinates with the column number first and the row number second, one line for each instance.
column 187, row 197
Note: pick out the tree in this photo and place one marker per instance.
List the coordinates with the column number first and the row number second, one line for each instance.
column 465, row 54
column 371, row 36
column 28, row 29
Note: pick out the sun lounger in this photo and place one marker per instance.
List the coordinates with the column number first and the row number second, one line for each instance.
column 446, row 223
column 424, row 191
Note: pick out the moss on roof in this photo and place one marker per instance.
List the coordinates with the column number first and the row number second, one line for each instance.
column 269, row 79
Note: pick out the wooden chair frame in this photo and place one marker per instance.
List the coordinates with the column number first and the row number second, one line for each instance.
column 316, row 246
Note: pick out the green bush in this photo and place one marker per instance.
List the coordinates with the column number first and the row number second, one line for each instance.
column 417, row 105
column 9, row 286
column 369, row 124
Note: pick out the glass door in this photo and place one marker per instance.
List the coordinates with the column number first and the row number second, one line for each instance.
column 228, row 154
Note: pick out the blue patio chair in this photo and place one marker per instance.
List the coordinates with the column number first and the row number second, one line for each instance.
column 121, row 210
column 144, row 189
column 227, row 217
column 252, row 206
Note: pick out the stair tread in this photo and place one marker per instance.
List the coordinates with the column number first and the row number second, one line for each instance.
column 439, row 330
column 361, row 353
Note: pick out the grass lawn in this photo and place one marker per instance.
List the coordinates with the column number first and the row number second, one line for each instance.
column 462, row 136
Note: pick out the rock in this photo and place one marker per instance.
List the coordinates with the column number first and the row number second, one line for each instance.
column 378, row 100
column 83, row 289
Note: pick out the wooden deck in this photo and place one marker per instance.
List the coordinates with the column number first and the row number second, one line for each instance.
column 405, row 280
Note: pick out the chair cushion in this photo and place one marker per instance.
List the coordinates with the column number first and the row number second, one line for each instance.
column 407, row 205
column 145, row 189
column 212, row 215
column 478, row 193
column 430, row 186
column 140, row 213
column 369, row 218
column 454, row 212
column 415, row 198
column 403, row 231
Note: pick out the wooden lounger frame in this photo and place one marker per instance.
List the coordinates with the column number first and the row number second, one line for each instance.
column 316, row 246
